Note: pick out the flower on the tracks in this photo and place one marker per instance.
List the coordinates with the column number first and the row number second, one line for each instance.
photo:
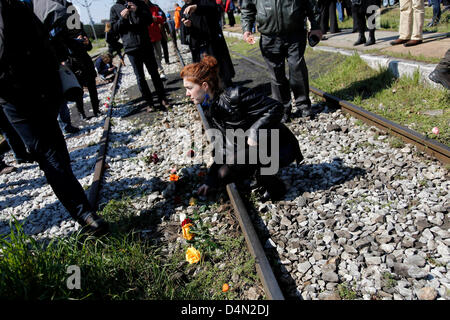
column 174, row 177
column 154, row 158
column 435, row 130
column 186, row 221
column 187, row 231
column 192, row 201
column 173, row 170
column 193, row 255
column 225, row 287
column 191, row 153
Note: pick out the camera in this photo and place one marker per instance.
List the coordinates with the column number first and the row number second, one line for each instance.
column 127, row 5
column 313, row 40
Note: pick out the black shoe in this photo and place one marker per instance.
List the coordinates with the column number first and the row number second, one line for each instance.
column 370, row 42
column 93, row 224
column 71, row 129
column 27, row 158
column 440, row 76
column 361, row 40
column 275, row 191
column 286, row 118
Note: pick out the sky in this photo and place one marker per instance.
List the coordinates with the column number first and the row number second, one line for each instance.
column 100, row 8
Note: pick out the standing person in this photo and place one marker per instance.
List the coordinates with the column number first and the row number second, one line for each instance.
column 131, row 20
column 229, row 9
column 82, row 66
column 361, row 9
column 112, row 39
column 328, row 21
column 412, row 15
column 283, row 36
column 237, row 108
column 206, row 37
column 177, row 17
column 31, row 95
column 172, row 31
column 221, row 10
column 154, row 32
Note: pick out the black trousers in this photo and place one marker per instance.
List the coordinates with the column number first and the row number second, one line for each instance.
column 328, row 14
column 138, row 59
column 165, row 50
column 12, row 138
column 42, row 136
column 359, row 14
column 93, row 94
column 276, row 50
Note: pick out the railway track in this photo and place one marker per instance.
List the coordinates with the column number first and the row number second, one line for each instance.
column 432, row 147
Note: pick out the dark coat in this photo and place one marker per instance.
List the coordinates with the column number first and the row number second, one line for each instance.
column 241, row 108
column 29, row 75
column 206, row 35
column 134, row 30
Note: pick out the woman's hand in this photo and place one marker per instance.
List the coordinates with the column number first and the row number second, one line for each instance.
column 251, row 142
column 203, row 190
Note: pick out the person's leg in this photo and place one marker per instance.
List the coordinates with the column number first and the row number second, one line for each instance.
column 273, row 52
column 165, row 50
column 298, row 73
column 324, row 15
column 42, row 136
column 158, row 55
column 13, row 139
column 333, row 20
column 93, row 94
column 152, row 68
column 79, row 103
column 419, row 16
column 406, row 16
column 441, row 74
column 137, row 61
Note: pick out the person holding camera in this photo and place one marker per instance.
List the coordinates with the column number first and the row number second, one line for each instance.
column 204, row 36
column 283, row 37
column 131, row 19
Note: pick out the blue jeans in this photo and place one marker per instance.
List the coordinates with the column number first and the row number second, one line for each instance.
column 436, row 9
column 40, row 132
column 391, row 3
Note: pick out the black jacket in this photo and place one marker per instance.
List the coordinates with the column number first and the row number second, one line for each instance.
column 29, row 75
column 242, row 108
column 134, row 30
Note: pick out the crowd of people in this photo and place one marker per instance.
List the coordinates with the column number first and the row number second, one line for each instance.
column 40, row 52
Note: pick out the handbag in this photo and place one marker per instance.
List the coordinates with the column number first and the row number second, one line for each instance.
column 71, row 87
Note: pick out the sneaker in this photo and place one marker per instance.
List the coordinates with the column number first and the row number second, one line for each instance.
column 440, row 76
column 92, row 223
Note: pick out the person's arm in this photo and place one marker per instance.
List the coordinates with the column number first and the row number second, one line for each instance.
column 248, row 15
column 118, row 23
column 2, row 36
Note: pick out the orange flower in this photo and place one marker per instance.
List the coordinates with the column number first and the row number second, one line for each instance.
column 193, row 255
column 187, row 231
column 174, row 177
column 225, row 287
column 192, row 201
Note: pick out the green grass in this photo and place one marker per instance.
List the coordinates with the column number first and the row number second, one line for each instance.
column 127, row 264
column 401, row 100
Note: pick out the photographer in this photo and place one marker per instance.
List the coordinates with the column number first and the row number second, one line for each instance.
column 131, row 20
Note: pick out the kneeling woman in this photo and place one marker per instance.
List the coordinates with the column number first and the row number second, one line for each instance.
column 234, row 108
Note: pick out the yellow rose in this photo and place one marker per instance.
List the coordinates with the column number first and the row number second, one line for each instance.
column 186, row 231
column 193, row 255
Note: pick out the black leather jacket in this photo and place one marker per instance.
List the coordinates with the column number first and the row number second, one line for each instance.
column 242, row 108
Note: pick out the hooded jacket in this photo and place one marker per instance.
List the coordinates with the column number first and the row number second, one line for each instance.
column 134, row 30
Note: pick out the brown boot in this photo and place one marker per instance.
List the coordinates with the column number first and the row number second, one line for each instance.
column 411, row 43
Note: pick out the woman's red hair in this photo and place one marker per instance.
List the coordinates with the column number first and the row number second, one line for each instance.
column 207, row 70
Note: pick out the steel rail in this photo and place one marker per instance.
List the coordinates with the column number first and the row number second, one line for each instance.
column 101, row 156
column 263, row 268
column 432, row 147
